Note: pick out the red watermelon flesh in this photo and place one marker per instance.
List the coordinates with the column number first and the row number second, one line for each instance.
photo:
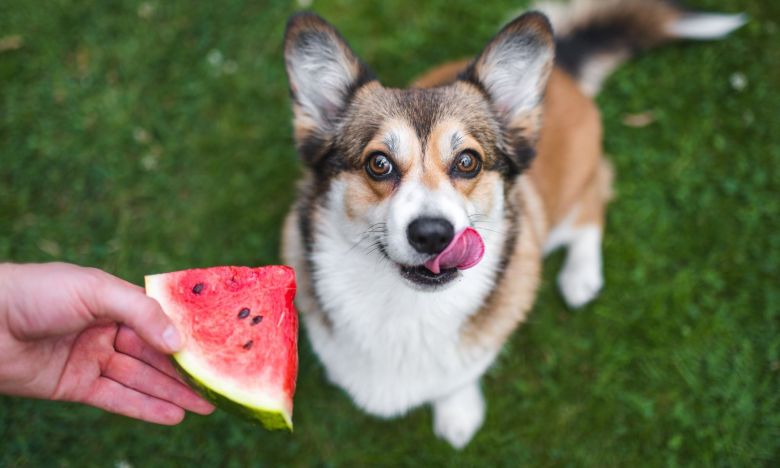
column 241, row 335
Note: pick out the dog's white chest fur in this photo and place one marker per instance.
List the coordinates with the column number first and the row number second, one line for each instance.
column 389, row 346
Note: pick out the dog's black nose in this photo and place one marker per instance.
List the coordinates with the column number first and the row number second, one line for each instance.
column 430, row 235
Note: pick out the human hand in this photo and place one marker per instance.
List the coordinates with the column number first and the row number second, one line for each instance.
column 80, row 334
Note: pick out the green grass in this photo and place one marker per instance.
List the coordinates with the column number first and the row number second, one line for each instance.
column 148, row 137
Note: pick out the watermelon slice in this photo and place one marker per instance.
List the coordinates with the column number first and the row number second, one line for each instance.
column 241, row 336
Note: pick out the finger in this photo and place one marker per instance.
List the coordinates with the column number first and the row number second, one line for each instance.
column 128, row 342
column 116, row 398
column 144, row 378
column 124, row 302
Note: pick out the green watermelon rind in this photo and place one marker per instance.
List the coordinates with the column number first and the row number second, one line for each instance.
column 269, row 418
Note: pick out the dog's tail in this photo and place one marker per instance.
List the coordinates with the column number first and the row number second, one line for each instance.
column 593, row 37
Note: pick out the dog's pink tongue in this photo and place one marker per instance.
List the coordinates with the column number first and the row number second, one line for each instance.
column 465, row 251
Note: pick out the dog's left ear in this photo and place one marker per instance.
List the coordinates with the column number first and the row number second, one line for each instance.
column 323, row 73
column 513, row 70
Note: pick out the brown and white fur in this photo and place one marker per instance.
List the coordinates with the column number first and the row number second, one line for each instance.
column 391, row 335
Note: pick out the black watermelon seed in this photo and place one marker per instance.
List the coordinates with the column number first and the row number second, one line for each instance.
column 197, row 288
column 244, row 313
column 248, row 344
column 257, row 319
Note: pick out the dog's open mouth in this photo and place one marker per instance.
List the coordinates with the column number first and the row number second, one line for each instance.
column 464, row 251
column 424, row 277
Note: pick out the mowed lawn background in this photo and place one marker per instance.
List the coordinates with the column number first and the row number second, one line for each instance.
column 143, row 137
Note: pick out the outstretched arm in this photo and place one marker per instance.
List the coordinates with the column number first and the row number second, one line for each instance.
column 80, row 334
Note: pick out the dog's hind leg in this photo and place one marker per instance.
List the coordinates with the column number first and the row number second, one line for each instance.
column 582, row 277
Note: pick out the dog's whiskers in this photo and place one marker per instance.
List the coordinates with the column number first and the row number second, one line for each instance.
column 376, row 228
column 482, row 222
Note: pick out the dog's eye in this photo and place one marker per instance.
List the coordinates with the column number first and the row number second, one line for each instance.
column 379, row 166
column 467, row 164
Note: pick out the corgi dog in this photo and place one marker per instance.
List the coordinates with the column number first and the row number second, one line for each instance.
column 424, row 213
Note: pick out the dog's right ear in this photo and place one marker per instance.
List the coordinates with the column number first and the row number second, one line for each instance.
column 323, row 73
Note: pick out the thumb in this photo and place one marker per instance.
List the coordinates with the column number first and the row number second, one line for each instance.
column 120, row 301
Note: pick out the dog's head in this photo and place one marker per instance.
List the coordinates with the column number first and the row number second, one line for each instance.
column 406, row 172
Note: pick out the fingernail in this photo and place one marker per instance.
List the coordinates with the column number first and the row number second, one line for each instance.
column 172, row 338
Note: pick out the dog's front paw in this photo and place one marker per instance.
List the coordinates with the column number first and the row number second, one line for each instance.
column 457, row 417
column 580, row 281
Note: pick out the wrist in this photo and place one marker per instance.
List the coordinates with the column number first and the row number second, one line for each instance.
column 6, row 273
column 7, row 372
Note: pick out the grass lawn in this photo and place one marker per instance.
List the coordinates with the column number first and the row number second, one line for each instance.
column 143, row 137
